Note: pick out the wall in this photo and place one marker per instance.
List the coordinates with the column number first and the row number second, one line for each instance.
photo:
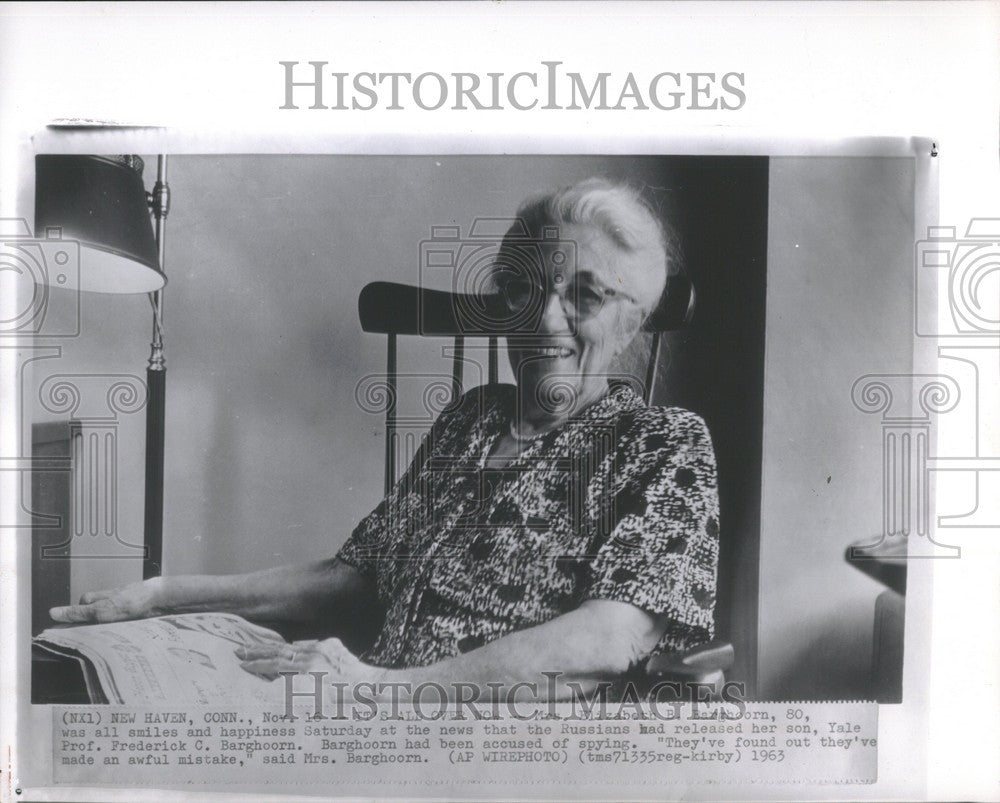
column 839, row 302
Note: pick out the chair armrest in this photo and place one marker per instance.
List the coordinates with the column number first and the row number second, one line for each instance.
column 705, row 665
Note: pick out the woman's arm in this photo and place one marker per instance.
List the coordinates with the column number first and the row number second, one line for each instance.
column 327, row 590
column 597, row 642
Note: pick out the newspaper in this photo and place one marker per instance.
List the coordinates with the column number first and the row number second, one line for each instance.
column 188, row 659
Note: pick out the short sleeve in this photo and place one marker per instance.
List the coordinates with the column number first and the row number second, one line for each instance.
column 662, row 553
column 363, row 547
column 367, row 542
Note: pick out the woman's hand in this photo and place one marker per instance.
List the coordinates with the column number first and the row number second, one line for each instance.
column 329, row 655
column 136, row 601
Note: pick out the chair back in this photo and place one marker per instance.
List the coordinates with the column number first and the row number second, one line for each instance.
column 396, row 309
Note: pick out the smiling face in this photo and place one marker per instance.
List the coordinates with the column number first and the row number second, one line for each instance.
column 592, row 309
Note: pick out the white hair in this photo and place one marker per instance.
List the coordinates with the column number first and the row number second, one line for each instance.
column 618, row 210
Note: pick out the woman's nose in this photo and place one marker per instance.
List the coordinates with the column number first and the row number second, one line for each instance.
column 554, row 318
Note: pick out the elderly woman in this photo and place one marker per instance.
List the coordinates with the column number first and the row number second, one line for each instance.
column 557, row 526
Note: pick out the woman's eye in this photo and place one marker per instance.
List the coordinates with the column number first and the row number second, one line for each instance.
column 519, row 292
column 589, row 299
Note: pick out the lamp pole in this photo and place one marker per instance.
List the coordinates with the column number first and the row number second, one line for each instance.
column 156, row 381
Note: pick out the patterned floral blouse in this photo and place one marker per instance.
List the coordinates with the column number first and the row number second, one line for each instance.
column 619, row 503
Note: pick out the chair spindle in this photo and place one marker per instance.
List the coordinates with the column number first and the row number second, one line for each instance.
column 390, row 413
column 494, row 374
column 651, row 367
column 456, row 368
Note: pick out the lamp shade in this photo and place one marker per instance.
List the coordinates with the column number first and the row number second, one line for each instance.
column 100, row 202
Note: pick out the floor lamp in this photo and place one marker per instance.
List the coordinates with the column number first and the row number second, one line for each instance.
column 101, row 202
